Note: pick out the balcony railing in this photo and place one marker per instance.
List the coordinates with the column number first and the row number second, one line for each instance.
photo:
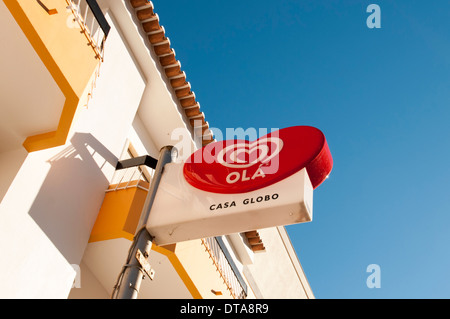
column 92, row 22
column 227, row 268
column 130, row 177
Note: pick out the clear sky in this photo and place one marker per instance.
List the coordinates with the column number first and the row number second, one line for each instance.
column 382, row 98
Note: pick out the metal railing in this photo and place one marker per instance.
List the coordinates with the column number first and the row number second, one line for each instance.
column 92, row 22
column 128, row 178
column 227, row 268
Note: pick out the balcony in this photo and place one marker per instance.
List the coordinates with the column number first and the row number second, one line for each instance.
column 92, row 22
column 193, row 269
column 226, row 267
column 55, row 54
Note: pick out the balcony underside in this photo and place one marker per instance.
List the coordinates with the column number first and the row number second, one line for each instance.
column 183, row 270
column 44, row 74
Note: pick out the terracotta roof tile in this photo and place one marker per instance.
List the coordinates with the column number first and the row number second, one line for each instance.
column 254, row 240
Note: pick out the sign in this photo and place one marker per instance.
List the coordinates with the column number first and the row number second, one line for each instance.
column 232, row 167
column 236, row 186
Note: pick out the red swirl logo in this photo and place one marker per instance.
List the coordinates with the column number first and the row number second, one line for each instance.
column 244, row 154
column 239, row 166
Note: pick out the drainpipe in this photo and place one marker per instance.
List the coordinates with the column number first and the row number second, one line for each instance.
column 137, row 266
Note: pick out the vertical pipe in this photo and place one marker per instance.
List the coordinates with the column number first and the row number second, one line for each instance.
column 131, row 278
column 165, row 157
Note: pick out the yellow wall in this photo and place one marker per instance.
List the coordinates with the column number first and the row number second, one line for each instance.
column 120, row 213
column 119, row 217
column 65, row 52
column 201, row 269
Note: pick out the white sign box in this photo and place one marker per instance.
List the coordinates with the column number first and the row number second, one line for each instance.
column 182, row 212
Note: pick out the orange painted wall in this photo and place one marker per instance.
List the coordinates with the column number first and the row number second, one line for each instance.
column 119, row 214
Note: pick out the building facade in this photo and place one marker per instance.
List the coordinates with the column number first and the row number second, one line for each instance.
column 84, row 85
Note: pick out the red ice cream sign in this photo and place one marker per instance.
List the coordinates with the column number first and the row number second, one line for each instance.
column 235, row 186
column 239, row 166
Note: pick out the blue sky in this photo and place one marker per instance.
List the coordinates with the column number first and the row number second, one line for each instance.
column 382, row 98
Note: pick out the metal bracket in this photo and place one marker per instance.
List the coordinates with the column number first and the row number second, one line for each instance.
column 49, row 11
column 142, row 259
column 137, row 161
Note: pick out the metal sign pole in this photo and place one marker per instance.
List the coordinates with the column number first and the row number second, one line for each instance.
column 137, row 266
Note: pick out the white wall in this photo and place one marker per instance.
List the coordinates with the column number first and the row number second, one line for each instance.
column 88, row 286
column 48, row 213
column 276, row 273
column 141, row 140
column 10, row 163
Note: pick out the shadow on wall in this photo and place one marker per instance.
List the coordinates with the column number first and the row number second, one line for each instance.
column 70, row 198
